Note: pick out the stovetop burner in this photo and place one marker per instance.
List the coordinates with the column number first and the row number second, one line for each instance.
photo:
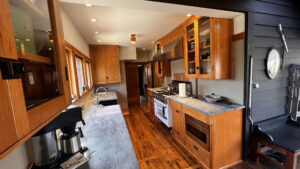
column 163, row 94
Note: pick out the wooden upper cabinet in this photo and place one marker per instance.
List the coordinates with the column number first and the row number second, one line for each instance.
column 7, row 127
column 163, row 68
column 31, row 32
column 209, row 49
column 105, row 64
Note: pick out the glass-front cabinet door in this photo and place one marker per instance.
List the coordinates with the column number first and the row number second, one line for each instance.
column 190, row 58
column 205, row 57
column 34, row 44
column 38, row 43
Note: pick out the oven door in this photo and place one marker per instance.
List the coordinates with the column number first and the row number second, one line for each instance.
column 161, row 111
column 198, row 131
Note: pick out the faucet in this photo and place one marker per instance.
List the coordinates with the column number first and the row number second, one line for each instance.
column 105, row 90
column 96, row 99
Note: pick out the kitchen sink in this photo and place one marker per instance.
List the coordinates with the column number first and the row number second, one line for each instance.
column 108, row 102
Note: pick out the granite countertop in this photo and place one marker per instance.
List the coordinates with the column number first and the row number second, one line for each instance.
column 107, row 137
column 109, row 95
column 207, row 108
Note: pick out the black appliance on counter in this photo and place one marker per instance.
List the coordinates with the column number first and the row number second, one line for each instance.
column 45, row 145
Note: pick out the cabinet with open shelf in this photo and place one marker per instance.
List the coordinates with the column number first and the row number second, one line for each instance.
column 208, row 51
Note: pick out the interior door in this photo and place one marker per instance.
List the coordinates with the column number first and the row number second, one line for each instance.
column 132, row 83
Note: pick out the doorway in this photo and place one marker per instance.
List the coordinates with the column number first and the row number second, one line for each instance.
column 138, row 80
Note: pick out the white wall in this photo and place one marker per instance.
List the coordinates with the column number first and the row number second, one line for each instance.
column 72, row 35
column 239, row 24
column 18, row 159
column 127, row 53
column 231, row 89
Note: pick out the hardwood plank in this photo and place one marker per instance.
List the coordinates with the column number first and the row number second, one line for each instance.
column 155, row 147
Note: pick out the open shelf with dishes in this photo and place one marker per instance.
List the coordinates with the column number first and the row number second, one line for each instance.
column 209, row 48
column 190, row 36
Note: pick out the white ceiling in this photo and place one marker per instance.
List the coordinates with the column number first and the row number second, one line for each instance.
column 117, row 19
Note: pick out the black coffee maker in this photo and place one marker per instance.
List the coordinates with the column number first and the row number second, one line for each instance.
column 47, row 153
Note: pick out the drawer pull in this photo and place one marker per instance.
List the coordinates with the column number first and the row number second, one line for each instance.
column 178, row 132
column 196, row 148
column 177, row 111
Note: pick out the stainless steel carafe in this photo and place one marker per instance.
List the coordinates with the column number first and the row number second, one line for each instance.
column 45, row 149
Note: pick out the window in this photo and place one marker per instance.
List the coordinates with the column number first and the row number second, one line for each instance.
column 88, row 75
column 71, row 74
column 79, row 72
column 80, row 75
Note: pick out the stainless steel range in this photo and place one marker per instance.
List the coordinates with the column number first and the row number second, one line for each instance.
column 162, row 109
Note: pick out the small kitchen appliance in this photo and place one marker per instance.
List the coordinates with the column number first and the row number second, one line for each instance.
column 182, row 89
column 45, row 145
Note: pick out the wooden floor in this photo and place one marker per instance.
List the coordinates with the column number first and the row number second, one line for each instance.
column 155, row 147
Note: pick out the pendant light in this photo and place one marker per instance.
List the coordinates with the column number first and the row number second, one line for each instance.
column 133, row 38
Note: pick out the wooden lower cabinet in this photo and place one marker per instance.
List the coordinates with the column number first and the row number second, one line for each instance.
column 225, row 136
column 178, row 119
column 151, row 102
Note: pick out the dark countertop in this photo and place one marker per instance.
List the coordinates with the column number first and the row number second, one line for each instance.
column 207, row 108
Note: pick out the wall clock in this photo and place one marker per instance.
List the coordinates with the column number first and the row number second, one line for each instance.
column 273, row 63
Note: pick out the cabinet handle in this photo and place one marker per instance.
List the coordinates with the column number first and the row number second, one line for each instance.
column 178, row 132
column 196, row 148
column 177, row 111
column 107, row 77
column 197, row 67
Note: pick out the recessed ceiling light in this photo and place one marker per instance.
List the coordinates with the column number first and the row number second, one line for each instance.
column 99, row 40
column 96, row 32
column 50, row 49
column 27, row 40
column 88, row 5
column 144, row 49
column 188, row 15
column 93, row 20
column 153, row 42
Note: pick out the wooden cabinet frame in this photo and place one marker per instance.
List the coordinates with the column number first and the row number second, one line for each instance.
column 29, row 121
column 221, row 49
column 163, row 68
